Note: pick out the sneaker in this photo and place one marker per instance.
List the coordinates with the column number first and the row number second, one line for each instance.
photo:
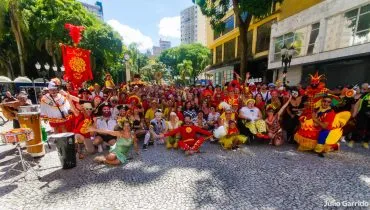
column 145, row 147
column 351, row 143
column 151, row 143
column 365, row 145
column 234, row 148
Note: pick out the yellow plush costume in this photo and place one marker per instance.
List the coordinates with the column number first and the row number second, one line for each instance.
column 306, row 135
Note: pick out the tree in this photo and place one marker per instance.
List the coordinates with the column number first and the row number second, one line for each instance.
column 18, row 26
column 243, row 10
column 185, row 69
column 155, row 71
column 196, row 53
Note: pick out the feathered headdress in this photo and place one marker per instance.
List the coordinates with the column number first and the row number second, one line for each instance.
column 75, row 32
column 316, row 79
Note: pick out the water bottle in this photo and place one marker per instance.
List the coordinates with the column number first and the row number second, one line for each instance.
column 44, row 135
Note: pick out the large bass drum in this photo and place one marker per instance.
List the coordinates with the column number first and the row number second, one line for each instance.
column 32, row 120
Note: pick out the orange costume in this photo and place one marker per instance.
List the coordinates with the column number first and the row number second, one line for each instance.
column 188, row 140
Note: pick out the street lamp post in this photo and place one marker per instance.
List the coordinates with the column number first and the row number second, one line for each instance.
column 40, row 71
column 127, row 58
column 60, row 73
column 286, row 59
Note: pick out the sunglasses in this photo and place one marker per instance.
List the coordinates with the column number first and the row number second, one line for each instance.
column 88, row 109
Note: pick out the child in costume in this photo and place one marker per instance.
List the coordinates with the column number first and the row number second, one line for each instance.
column 273, row 123
column 173, row 123
column 233, row 137
column 109, row 84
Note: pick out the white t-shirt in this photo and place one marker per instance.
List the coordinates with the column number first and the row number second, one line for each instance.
column 252, row 114
column 101, row 123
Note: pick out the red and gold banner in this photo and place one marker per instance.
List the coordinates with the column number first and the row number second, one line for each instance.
column 77, row 65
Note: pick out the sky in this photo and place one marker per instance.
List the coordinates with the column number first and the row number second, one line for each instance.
column 144, row 21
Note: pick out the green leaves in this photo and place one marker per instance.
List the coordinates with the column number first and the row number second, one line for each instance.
column 196, row 55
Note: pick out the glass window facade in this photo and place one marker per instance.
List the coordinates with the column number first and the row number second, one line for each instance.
column 348, row 29
column 263, row 37
column 229, row 25
column 229, row 50
column 219, row 54
column 315, row 28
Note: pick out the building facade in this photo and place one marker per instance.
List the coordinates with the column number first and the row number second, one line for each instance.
column 164, row 45
column 193, row 26
column 332, row 37
column 96, row 9
column 225, row 47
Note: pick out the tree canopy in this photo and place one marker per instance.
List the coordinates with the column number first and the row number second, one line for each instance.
column 198, row 55
column 40, row 29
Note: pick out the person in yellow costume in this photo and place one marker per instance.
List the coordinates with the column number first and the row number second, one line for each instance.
column 173, row 123
column 232, row 139
column 109, row 84
column 324, row 130
column 252, row 118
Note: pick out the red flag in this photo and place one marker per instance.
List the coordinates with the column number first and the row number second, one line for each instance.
column 77, row 65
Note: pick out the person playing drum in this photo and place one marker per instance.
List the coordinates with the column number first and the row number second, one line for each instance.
column 56, row 108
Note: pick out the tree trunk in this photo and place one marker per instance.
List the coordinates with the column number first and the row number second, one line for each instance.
column 243, row 43
column 18, row 36
column 10, row 67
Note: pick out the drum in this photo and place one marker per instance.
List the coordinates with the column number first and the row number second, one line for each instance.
column 32, row 120
column 17, row 135
column 31, row 108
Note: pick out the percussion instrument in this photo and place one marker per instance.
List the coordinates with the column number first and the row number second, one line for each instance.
column 31, row 108
column 32, row 120
column 65, row 143
column 17, row 135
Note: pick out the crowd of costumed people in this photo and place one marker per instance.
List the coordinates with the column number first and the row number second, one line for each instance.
column 119, row 118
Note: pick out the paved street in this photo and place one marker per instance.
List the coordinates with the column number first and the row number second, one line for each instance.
column 255, row 177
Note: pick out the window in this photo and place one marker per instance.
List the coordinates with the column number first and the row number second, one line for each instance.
column 229, row 24
column 297, row 39
column 211, row 56
column 350, row 28
column 263, row 37
column 279, row 42
column 229, row 50
column 315, row 28
column 216, row 35
column 219, row 54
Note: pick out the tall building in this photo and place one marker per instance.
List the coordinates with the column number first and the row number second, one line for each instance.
column 156, row 51
column 225, row 45
column 193, row 26
column 96, row 9
column 164, row 45
column 332, row 37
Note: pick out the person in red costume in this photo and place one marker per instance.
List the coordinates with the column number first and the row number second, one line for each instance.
column 189, row 143
column 313, row 93
column 83, row 120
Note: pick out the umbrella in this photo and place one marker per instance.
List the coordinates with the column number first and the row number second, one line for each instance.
column 40, row 80
column 22, row 80
column 4, row 79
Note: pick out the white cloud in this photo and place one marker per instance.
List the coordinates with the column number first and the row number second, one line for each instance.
column 131, row 35
column 170, row 27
